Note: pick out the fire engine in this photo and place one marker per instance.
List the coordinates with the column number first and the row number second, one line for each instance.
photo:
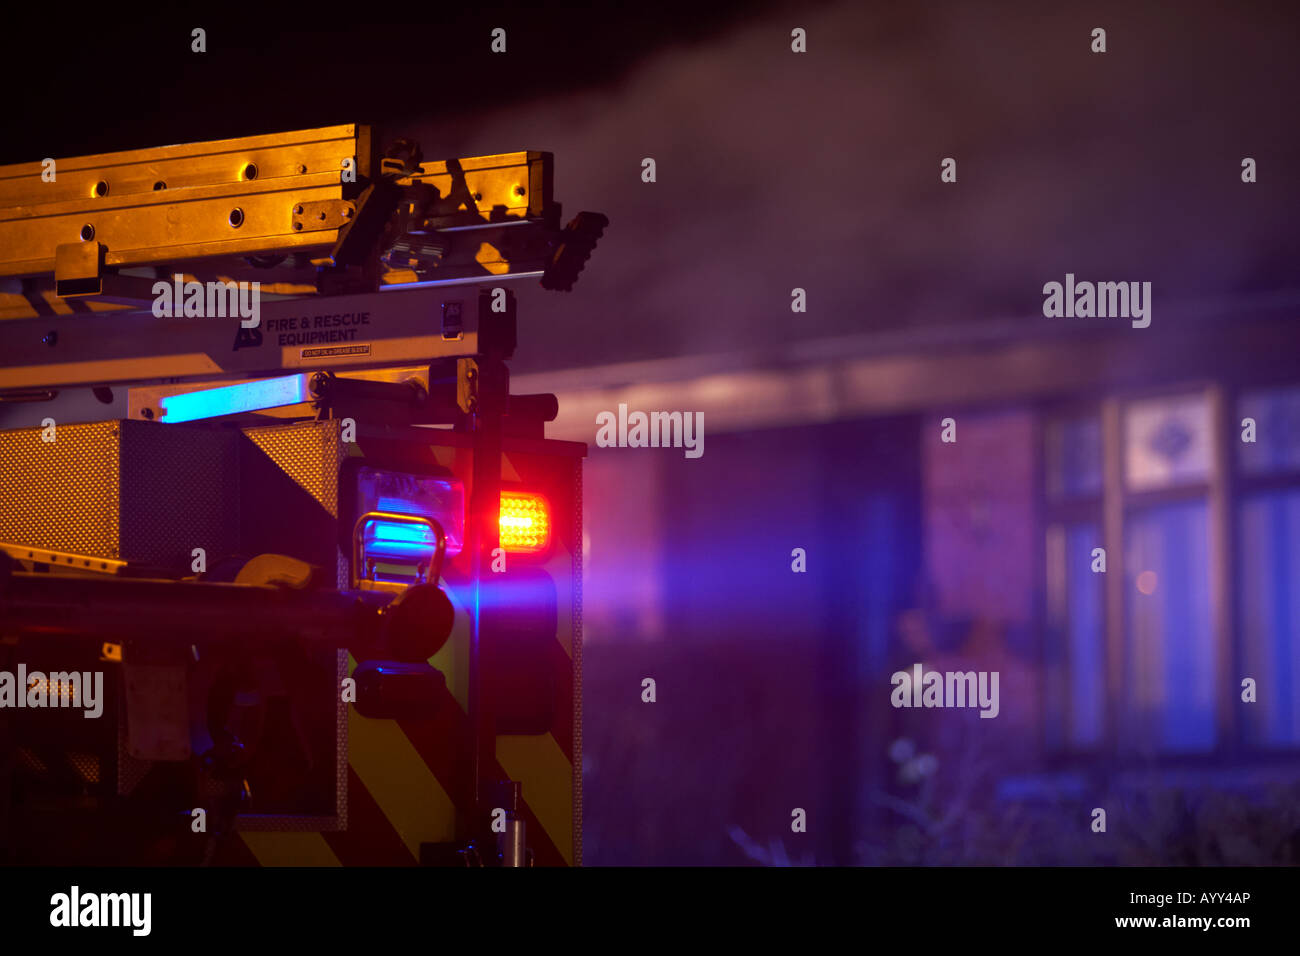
column 328, row 566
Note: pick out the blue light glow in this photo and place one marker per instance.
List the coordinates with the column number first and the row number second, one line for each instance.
column 403, row 541
column 231, row 399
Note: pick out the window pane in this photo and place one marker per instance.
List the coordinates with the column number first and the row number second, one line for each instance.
column 1277, row 431
column 1169, row 665
column 1270, row 615
column 1074, row 458
column 1076, row 657
column 1166, row 442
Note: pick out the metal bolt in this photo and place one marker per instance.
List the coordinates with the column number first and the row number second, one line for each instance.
column 519, row 190
column 50, row 338
column 301, row 169
column 146, row 413
column 297, row 210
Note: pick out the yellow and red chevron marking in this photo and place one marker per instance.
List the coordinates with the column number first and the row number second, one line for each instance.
column 408, row 779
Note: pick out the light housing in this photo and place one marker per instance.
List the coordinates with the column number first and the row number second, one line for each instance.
column 399, row 492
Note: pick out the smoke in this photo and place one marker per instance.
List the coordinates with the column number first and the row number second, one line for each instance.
column 821, row 171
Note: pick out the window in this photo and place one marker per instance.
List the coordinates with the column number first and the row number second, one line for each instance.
column 1076, row 662
column 1168, row 697
column 1142, row 658
column 1132, row 649
column 1076, row 598
column 1168, row 687
column 1166, row 442
column 1268, row 565
column 1074, row 458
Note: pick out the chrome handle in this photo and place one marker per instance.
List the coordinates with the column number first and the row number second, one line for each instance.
column 360, row 573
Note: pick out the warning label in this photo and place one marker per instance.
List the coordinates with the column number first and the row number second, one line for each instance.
column 341, row 350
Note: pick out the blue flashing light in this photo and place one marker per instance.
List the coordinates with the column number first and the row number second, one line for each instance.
column 403, row 542
column 232, row 399
column 399, row 541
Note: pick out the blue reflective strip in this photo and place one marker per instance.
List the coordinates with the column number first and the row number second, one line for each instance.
column 230, row 399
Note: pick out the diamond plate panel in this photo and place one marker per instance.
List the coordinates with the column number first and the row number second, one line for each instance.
column 61, row 494
column 180, row 491
column 139, row 491
column 309, row 453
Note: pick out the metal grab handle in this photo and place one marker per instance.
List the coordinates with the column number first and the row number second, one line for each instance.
column 360, row 573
